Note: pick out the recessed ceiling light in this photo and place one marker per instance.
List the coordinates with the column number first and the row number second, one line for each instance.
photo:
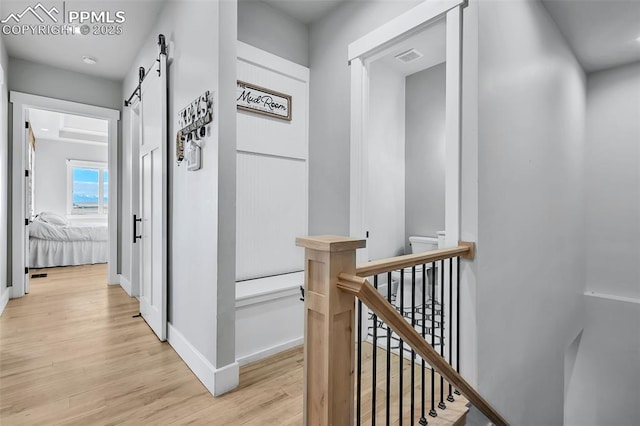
column 638, row 39
column 44, row 130
column 89, row 60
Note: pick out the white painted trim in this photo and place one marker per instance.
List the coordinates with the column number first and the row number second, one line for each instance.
column 227, row 379
column 217, row 381
column 359, row 153
column 259, row 57
column 21, row 103
column 58, row 105
column 114, row 281
column 453, row 126
column 261, row 290
column 125, row 284
column 265, row 353
column 134, row 118
column 613, row 297
column 4, row 298
column 5, row 292
column 269, row 295
column 398, row 27
column 77, row 141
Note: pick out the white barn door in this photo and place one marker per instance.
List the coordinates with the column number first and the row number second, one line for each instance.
column 153, row 200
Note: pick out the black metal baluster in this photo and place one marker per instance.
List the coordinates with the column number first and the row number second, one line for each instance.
column 450, row 341
column 374, row 361
column 401, row 350
column 413, row 353
column 359, row 371
column 441, row 404
column 432, row 411
column 457, row 392
column 423, row 419
column 388, row 401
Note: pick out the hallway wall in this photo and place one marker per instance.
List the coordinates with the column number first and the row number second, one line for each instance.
column 530, row 258
column 329, row 131
column 201, row 211
column 44, row 80
column 604, row 384
column 613, row 181
column 385, row 195
column 265, row 27
column 4, row 176
column 425, row 153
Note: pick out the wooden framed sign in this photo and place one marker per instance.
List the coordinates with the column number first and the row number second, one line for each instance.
column 250, row 97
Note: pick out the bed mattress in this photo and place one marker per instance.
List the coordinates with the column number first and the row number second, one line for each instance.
column 53, row 245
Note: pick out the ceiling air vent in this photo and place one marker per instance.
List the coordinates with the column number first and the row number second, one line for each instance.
column 409, row 55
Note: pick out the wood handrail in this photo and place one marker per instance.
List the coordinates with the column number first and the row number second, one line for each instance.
column 465, row 250
column 363, row 290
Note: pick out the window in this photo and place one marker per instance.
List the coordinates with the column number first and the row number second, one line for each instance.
column 88, row 188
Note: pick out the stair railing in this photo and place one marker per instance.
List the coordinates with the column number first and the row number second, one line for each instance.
column 410, row 329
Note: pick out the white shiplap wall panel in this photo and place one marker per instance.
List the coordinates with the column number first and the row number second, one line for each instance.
column 271, row 213
column 272, row 176
column 269, row 135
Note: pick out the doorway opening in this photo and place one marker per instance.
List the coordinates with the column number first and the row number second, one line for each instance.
column 67, row 190
column 405, row 153
column 405, row 161
column 405, row 131
column 64, row 191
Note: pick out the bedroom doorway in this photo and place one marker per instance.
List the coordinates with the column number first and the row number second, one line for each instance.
column 67, row 190
column 64, row 169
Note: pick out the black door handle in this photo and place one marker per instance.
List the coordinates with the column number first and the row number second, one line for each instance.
column 136, row 237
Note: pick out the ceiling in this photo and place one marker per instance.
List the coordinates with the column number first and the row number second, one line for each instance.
column 305, row 11
column 431, row 42
column 115, row 53
column 55, row 126
column 602, row 33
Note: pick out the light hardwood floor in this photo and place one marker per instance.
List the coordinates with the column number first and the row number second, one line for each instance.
column 71, row 353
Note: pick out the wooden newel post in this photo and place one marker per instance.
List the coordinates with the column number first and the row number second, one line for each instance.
column 329, row 320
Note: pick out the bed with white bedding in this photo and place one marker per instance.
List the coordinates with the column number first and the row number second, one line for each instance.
column 54, row 242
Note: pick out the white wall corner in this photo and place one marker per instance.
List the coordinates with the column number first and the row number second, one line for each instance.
column 226, row 379
column 217, row 381
column 113, row 279
column 4, row 298
column 125, row 284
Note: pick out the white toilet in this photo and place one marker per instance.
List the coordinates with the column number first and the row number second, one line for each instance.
column 419, row 244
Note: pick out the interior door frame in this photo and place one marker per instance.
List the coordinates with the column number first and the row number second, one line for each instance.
column 360, row 53
column 22, row 102
column 135, row 137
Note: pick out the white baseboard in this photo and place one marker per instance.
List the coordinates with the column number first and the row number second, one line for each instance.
column 217, row 381
column 125, row 284
column 4, row 299
column 265, row 353
column 113, row 280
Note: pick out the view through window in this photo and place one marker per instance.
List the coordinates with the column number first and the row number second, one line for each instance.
column 89, row 186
